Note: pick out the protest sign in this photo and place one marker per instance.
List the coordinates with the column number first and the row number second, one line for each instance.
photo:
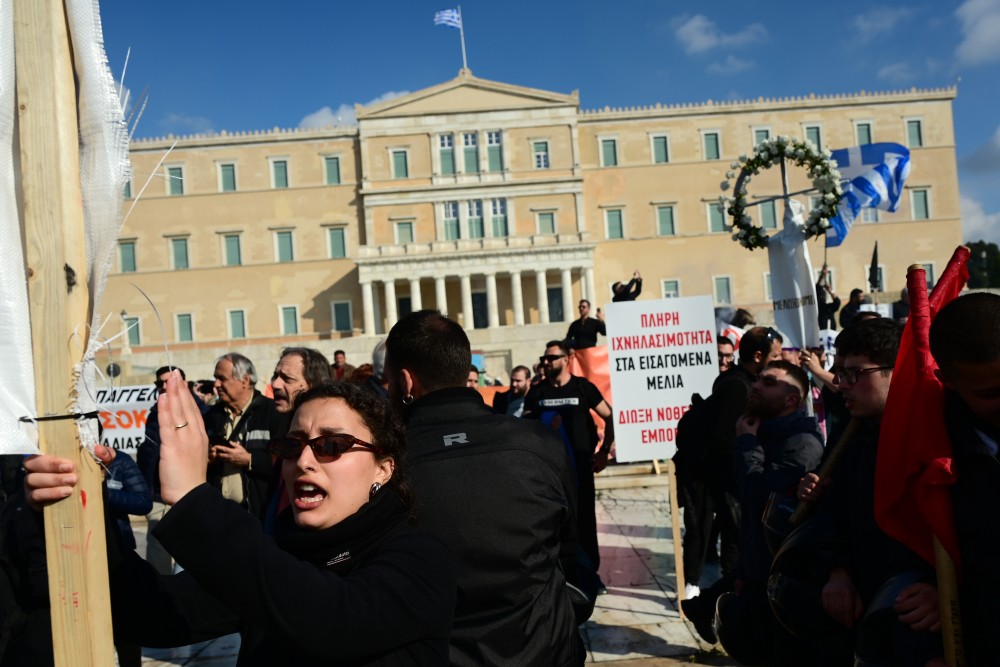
column 659, row 353
column 123, row 416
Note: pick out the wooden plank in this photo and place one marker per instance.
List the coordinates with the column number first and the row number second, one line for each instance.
column 59, row 307
column 675, row 523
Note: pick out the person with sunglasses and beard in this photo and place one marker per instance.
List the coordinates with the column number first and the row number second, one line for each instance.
column 346, row 580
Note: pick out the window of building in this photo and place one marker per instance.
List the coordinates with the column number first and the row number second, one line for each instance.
column 232, row 250
column 914, row 133
column 869, row 215
column 446, row 151
column 813, row 135
column 452, row 230
column 661, row 149
column 498, row 208
column 929, row 275
column 665, row 220
column 475, row 218
column 227, row 177
column 768, row 215
column 921, row 204
column 614, row 228
column 132, row 326
column 342, row 319
column 760, row 135
column 185, row 328
column 494, row 150
column 400, row 168
column 289, row 320
column 337, row 236
column 711, row 145
column 470, row 143
column 864, row 132
column 609, row 152
column 671, row 288
column 179, row 253
column 285, row 248
column 716, row 218
column 126, row 256
column 331, row 167
column 128, row 189
column 279, row 174
column 237, row 324
column 546, row 222
column 175, row 181
column 723, row 292
column 404, row 232
column 541, row 151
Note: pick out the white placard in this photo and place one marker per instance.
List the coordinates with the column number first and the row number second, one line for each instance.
column 659, row 353
column 123, row 416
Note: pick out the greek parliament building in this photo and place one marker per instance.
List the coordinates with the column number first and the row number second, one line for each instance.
column 499, row 205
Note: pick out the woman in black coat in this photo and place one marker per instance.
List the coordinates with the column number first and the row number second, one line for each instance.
column 345, row 581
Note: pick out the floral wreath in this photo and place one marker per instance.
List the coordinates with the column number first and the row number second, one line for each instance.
column 822, row 170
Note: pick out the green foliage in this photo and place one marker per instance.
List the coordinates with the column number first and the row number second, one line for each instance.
column 984, row 265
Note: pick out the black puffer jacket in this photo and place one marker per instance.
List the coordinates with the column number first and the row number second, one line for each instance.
column 498, row 491
column 369, row 591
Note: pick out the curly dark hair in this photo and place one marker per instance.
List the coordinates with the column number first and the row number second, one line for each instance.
column 388, row 435
column 876, row 339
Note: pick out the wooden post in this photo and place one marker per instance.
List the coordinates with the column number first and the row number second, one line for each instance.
column 675, row 522
column 832, row 459
column 59, row 306
column 951, row 618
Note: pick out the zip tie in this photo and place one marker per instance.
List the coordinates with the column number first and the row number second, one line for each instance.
column 76, row 416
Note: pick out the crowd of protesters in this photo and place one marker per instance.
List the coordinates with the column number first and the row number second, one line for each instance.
column 385, row 515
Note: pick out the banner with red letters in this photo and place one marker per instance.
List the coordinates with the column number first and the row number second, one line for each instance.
column 123, row 413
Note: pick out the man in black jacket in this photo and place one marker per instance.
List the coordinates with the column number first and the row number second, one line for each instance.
column 497, row 491
column 239, row 427
column 582, row 333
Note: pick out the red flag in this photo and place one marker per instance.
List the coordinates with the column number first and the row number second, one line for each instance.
column 592, row 363
column 914, row 470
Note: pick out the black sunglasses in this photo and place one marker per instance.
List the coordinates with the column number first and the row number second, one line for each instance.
column 550, row 357
column 329, row 446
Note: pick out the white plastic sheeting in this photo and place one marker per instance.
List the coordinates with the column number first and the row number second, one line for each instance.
column 104, row 168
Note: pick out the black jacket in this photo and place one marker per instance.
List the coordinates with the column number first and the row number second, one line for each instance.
column 975, row 498
column 729, row 397
column 369, row 591
column 772, row 461
column 258, row 425
column 628, row 294
column 498, row 491
column 582, row 333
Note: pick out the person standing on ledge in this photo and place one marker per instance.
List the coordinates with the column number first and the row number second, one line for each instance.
column 628, row 292
column 583, row 332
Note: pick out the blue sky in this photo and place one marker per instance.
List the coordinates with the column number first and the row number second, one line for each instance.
column 255, row 64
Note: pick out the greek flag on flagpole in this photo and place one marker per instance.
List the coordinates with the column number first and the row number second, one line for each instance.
column 448, row 17
column 875, row 176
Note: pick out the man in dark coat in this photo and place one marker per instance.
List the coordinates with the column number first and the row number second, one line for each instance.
column 582, row 333
column 497, row 491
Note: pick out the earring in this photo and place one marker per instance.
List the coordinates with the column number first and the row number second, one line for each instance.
column 375, row 489
column 407, row 399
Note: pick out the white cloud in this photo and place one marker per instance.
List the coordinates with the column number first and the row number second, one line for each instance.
column 879, row 21
column 977, row 224
column 897, row 73
column 986, row 158
column 980, row 21
column 343, row 114
column 699, row 34
column 180, row 123
column 731, row 65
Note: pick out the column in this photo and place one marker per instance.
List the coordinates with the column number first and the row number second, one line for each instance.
column 368, row 308
column 492, row 313
column 588, row 281
column 517, row 298
column 468, row 321
column 440, row 295
column 542, row 292
column 391, row 314
column 567, row 294
column 416, row 303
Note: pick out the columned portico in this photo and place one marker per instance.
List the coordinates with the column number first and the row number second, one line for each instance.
column 588, row 284
column 440, row 295
column 517, row 298
column 542, row 295
column 567, row 294
column 416, row 302
column 467, row 319
column 391, row 313
column 493, row 316
column 368, row 308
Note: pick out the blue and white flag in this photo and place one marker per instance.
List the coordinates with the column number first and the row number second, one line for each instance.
column 450, row 17
column 875, row 175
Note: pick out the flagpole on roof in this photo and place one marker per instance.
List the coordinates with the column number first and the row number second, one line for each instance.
column 461, row 32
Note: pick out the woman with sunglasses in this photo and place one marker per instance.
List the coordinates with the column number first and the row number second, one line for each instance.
column 345, row 581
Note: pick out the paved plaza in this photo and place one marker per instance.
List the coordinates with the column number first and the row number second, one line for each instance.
column 636, row 624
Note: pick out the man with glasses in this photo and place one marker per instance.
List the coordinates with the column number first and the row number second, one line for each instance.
column 859, row 561
column 776, row 442
column 583, row 332
column 572, row 398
